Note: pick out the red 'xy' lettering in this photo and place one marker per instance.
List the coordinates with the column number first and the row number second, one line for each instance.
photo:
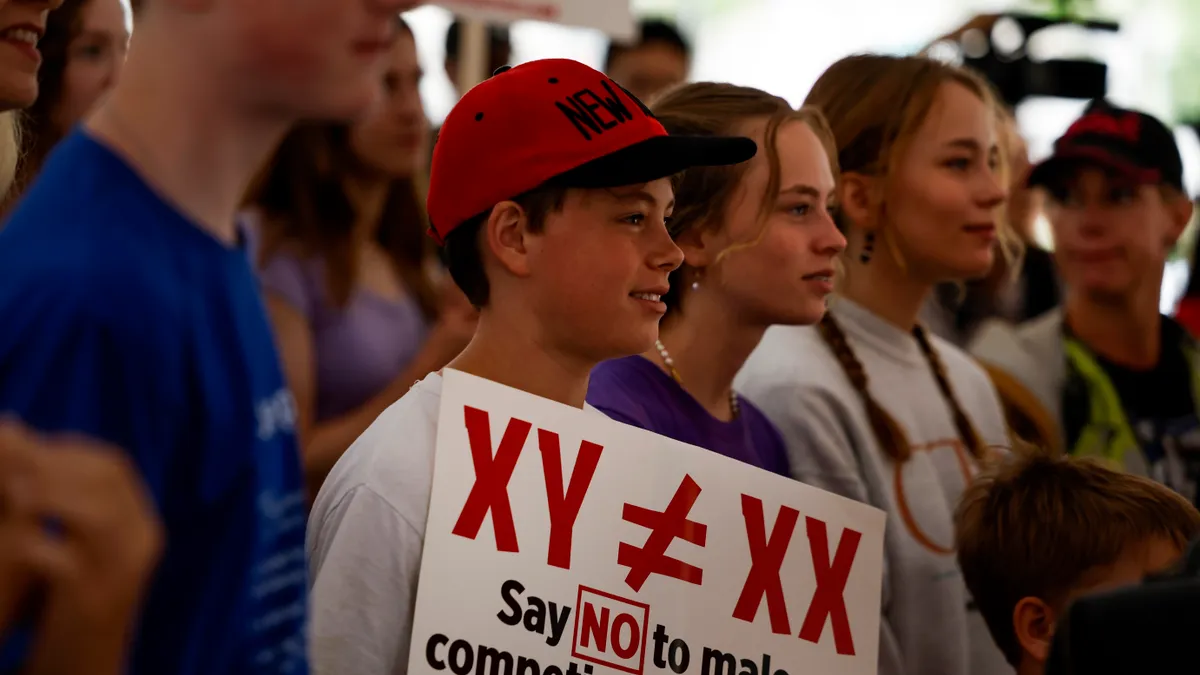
column 766, row 557
column 564, row 507
column 831, row 583
column 490, row 491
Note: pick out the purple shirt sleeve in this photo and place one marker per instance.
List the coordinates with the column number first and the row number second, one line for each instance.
column 285, row 276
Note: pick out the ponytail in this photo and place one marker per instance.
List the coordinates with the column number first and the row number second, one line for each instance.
column 887, row 431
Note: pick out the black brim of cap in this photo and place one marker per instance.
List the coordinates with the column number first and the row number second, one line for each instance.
column 658, row 157
column 1066, row 161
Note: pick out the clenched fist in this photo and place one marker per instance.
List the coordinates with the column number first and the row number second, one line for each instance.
column 79, row 533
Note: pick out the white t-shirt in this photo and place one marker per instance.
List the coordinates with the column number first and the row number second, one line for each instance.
column 365, row 536
column 366, row 533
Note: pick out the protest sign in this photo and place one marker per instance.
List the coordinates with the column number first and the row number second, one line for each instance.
column 560, row 542
column 613, row 17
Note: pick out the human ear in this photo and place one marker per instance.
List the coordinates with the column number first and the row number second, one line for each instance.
column 858, row 200
column 506, row 234
column 1033, row 624
column 1179, row 210
column 700, row 245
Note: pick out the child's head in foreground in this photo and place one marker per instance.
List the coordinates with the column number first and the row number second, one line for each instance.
column 1038, row 531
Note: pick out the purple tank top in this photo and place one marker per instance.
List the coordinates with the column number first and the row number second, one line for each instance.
column 360, row 348
column 634, row 391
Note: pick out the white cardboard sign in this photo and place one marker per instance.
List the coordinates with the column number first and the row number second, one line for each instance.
column 614, row 17
column 560, row 542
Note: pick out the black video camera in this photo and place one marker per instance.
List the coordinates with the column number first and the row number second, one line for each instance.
column 1002, row 56
column 1141, row 630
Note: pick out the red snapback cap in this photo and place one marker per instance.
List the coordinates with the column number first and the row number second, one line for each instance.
column 554, row 122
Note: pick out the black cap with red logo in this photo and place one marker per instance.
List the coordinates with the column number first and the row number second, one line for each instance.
column 557, row 122
column 1129, row 143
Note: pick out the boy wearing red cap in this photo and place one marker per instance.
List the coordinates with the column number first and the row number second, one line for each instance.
column 550, row 192
column 1108, row 375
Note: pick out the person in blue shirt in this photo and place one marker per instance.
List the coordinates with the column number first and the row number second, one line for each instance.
column 131, row 313
column 92, row 569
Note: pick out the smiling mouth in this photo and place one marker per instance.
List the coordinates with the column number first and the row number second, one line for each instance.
column 652, row 297
column 21, row 34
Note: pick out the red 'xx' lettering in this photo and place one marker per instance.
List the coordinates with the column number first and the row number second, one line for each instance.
column 564, row 508
column 831, row 583
column 490, row 491
column 664, row 528
column 766, row 558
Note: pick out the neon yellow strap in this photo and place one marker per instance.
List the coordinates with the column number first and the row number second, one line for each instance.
column 1108, row 434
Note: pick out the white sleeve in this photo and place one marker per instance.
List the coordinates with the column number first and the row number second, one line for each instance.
column 816, row 430
column 365, row 588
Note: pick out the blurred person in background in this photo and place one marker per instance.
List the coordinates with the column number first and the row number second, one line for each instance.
column 499, row 54
column 93, row 571
column 956, row 311
column 870, row 405
column 499, row 51
column 759, row 249
column 659, row 59
column 1108, row 375
column 359, row 311
column 18, row 81
column 131, row 315
column 83, row 52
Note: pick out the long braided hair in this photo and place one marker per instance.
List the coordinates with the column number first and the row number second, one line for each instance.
column 875, row 104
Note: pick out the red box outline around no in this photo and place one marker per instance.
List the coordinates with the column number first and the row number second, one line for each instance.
column 579, row 613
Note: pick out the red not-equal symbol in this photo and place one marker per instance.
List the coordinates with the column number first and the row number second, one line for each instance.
column 665, row 527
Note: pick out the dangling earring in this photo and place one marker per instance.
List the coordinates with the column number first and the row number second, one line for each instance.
column 696, row 279
column 868, row 248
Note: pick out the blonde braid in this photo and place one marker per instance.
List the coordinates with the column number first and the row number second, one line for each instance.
column 966, row 431
column 886, row 430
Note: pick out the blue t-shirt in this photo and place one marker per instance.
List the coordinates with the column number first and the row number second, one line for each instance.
column 122, row 319
column 637, row 392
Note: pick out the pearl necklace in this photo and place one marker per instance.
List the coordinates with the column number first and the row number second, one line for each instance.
column 670, row 363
